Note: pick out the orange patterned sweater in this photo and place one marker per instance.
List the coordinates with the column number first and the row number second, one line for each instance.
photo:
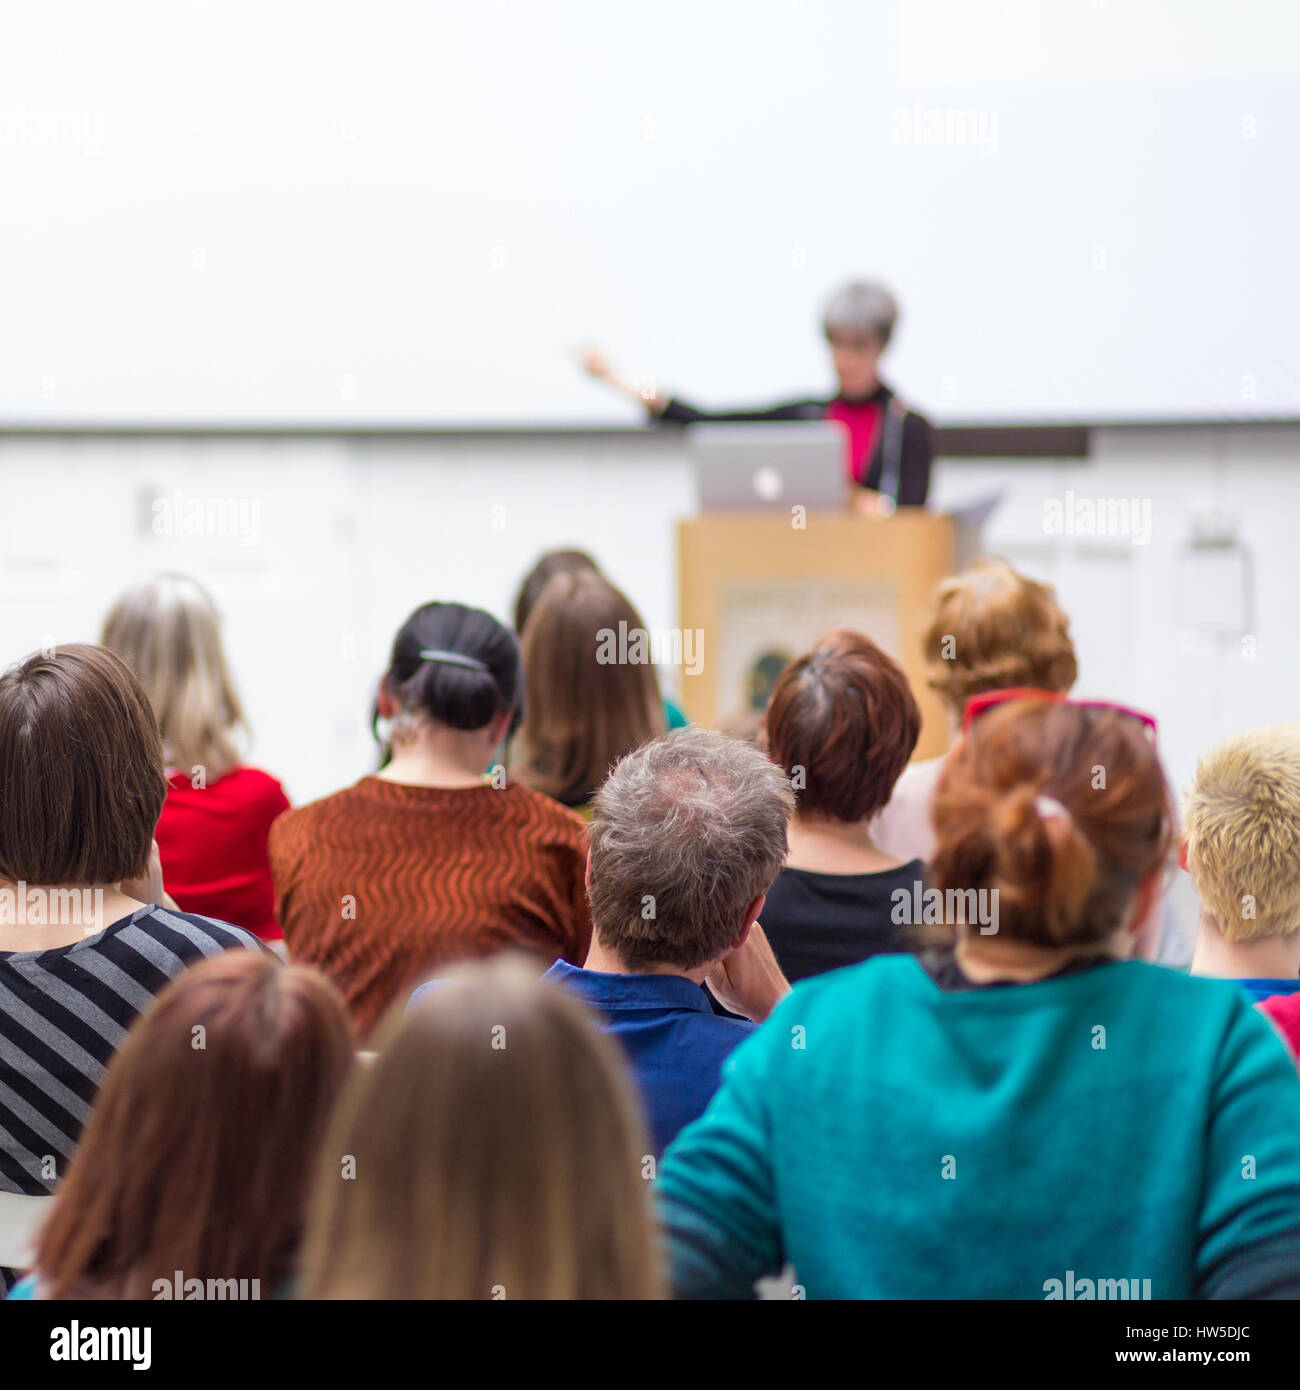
column 382, row 884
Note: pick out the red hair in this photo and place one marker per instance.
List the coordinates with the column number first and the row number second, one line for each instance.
column 1061, row 809
column 203, row 1138
column 843, row 716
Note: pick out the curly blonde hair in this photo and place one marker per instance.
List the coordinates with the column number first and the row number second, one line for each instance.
column 992, row 628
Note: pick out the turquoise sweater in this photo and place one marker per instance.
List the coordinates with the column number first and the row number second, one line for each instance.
column 893, row 1140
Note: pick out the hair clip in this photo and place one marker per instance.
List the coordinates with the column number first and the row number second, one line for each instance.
column 1048, row 808
column 455, row 659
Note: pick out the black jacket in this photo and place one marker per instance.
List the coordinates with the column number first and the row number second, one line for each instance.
column 900, row 463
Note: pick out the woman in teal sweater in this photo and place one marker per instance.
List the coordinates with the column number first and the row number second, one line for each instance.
column 1023, row 1112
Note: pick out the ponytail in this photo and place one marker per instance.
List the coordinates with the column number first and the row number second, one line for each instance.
column 1018, row 811
column 1042, row 860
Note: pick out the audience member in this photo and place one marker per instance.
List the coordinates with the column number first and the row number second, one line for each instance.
column 687, row 835
column 492, row 1150
column 991, row 628
column 86, row 937
column 1242, row 848
column 842, row 722
column 548, row 565
column 997, row 1119
column 192, row 1175
column 555, row 562
column 587, row 703
column 432, row 860
column 212, row 832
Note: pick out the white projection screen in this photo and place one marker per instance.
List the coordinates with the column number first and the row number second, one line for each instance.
column 414, row 213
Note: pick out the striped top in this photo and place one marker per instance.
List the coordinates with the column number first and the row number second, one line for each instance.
column 64, row 1013
column 383, row 884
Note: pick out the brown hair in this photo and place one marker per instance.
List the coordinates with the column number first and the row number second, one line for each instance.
column 81, row 767
column 493, row 1144
column 994, row 629
column 550, row 564
column 1061, row 810
column 694, row 827
column 843, row 722
column 583, row 712
column 200, row 1147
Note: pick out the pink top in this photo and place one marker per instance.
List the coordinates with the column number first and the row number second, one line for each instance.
column 862, row 420
column 903, row 828
column 1284, row 1011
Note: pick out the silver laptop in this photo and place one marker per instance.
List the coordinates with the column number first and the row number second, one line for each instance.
column 769, row 467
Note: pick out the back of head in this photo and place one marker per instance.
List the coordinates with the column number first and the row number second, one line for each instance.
column 686, row 832
column 168, row 632
column 81, row 769
column 454, row 666
column 497, row 1146
column 215, row 1186
column 1243, row 833
column 1059, row 810
column 994, row 629
column 591, row 697
column 550, row 564
column 843, row 722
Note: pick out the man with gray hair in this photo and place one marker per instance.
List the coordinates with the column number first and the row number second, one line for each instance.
column 688, row 832
column 890, row 448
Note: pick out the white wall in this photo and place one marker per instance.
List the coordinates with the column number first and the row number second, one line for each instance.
column 346, row 535
column 1140, row 609
column 321, row 213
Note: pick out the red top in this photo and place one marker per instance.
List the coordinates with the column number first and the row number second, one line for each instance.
column 1284, row 1010
column 212, row 842
column 862, row 419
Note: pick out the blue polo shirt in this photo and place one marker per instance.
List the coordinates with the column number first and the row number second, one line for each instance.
column 674, row 1041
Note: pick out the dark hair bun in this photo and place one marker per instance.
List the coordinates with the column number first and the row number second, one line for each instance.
column 477, row 677
column 455, row 695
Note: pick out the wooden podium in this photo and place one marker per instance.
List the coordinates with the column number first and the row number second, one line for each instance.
column 757, row 590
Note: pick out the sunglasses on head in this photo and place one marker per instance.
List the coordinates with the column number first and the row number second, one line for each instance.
column 990, row 699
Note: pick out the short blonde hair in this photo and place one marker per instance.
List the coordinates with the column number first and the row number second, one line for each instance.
column 168, row 632
column 1242, row 826
column 992, row 629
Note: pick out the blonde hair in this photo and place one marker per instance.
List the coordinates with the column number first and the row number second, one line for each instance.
column 497, row 1146
column 168, row 632
column 993, row 629
column 1243, row 833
